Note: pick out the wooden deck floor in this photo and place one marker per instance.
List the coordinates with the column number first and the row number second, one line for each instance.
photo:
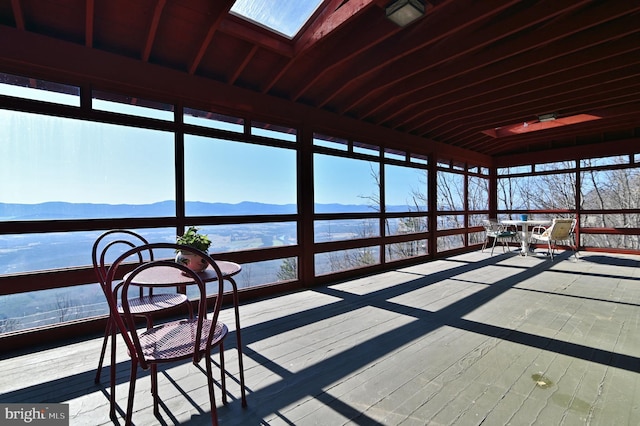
column 473, row 339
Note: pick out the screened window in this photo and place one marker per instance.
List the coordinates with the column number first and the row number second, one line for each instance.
column 345, row 229
column 213, row 120
column 450, row 191
column 249, row 236
column 330, row 142
column 344, row 185
column 344, row 260
column 39, row 90
column 273, row 131
column 61, row 168
column 478, row 193
column 405, row 189
column 129, row 105
column 224, row 177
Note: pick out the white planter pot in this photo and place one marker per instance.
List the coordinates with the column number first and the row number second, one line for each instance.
column 192, row 261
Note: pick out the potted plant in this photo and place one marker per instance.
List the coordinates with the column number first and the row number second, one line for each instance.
column 193, row 239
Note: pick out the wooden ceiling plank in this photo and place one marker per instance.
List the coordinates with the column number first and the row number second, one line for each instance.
column 524, row 106
column 318, row 31
column 493, row 79
column 615, row 98
column 441, row 23
column 243, row 65
column 524, row 19
column 18, row 15
column 527, row 99
column 432, row 31
column 336, row 53
column 153, row 28
column 589, row 38
column 529, row 96
column 334, row 15
column 243, row 30
column 89, row 24
column 627, row 121
column 219, row 13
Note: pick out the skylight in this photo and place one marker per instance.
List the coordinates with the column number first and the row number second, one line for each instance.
column 284, row 17
column 541, row 124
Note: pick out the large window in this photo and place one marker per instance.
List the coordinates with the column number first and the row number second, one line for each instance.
column 343, row 185
column 405, row 189
column 82, row 169
column 606, row 202
column 72, row 169
column 225, row 177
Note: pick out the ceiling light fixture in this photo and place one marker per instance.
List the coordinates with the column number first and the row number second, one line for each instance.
column 404, row 12
column 547, row 117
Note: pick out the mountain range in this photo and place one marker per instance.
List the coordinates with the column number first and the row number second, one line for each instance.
column 58, row 210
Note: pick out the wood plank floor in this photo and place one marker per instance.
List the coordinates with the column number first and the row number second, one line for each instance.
column 472, row 339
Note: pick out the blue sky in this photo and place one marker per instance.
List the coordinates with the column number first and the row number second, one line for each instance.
column 46, row 158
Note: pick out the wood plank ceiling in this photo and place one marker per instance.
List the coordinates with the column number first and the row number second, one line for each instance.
column 472, row 74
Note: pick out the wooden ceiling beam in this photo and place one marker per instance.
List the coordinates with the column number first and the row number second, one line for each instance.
column 602, row 149
column 153, row 29
column 243, row 65
column 334, row 15
column 558, row 138
column 559, row 46
column 501, row 80
column 441, row 24
column 302, row 51
column 566, row 94
column 88, row 22
column 221, row 8
column 521, row 20
column 625, row 104
column 568, row 100
column 336, row 52
column 233, row 26
column 18, row 15
column 618, row 100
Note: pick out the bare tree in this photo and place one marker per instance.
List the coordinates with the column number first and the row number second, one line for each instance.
column 63, row 303
column 601, row 189
column 8, row 324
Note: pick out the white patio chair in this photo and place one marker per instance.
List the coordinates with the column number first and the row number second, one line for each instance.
column 559, row 231
column 497, row 231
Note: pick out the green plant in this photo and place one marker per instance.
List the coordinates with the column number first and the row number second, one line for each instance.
column 193, row 239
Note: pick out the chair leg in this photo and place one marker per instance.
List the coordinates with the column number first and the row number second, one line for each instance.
column 212, row 399
column 550, row 249
column 223, row 380
column 112, row 369
column 103, row 352
column 495, row 239
column 132, row 391
column 154, row 389
column 574, row 245
column 484, row 245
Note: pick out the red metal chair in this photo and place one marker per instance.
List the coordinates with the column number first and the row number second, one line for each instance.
column 191, row 337
column 105, row 249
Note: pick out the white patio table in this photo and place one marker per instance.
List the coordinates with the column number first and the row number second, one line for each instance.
column 523, row 226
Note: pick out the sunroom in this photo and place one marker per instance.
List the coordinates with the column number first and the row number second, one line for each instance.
column 341, row 149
